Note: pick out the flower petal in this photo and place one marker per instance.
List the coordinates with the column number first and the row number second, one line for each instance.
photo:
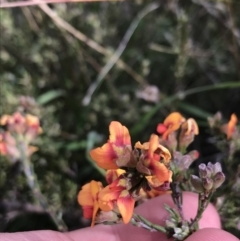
column 144, row 146
column 104, row 156
column 125, row 205
column 153, row 145
column 95, row 210
column 161, row 128
column 161, row 171
column 87, row 212
column 112, row 175
column 173, row 119
column 85, row 197
column 231, row 125
column 119, row 134
column 172, row 122
column 108, row 194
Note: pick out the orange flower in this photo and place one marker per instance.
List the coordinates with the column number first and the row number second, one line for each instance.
column 190, row 126
column 188, row 131
column 117, row 152
column 3, row 147
column 28, row 125
column 157, row 189
column 149, row 163
column 33, row 123
column 15, row 122
column 231, row 126
column 170, row 124
column 88, row 199
column 8, row 146
column 117, row 193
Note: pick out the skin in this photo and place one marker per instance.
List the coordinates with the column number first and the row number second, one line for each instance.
column 210, row 226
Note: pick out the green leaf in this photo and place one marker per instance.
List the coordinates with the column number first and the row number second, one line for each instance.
column 49, row 96
column 76, row 145
column 194, row 110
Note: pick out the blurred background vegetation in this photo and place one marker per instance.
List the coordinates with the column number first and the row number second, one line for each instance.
column 87, row 64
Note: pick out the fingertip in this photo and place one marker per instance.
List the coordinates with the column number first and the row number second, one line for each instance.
column 210, row 217
column 211, row 234
column 155, row 212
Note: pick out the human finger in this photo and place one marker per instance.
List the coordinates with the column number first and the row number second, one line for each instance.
column 212, row 234
column 154, row 211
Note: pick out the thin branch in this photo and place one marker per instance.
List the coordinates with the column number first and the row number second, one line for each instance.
column 113, row 60
column 31, row 21
column 38, row 2
column 92, row 44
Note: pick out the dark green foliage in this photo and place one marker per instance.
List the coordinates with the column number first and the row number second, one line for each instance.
column 198, row 48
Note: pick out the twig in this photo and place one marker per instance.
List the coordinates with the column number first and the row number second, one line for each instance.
column 112, row 61
column 177, row 198
column 92, row 44
column 163, row 49
column 138, row 220
column 34, row 186
column 38, row 2
column 31, row 21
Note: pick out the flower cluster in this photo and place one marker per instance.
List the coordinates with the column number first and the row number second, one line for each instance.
column 210, row 177
column 20, row 131
column 134, row 172
column 177, row 132
column 226, row 134
column 131, row 173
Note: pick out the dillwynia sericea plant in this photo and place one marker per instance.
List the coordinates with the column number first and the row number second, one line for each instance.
column 19, row 132
column 145, row 170
column 133, row 173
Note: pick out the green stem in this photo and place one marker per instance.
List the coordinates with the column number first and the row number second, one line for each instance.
column 177, row 197
column 147, row 224
column 34, row 186
column 202, row 205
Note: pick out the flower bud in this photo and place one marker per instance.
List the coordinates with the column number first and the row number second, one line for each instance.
column 207, row 183
column 217, row 168
column 202, row 170
column 219, row 178
column 197, row 183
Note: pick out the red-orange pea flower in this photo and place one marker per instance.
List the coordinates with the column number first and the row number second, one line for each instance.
column 152, row 161
column 231, row 126
column 170, row 124
column 188, row 131
column 117, row 152
column 28, row 125
column 88, row 199
column 8, row 146
column 117, row 193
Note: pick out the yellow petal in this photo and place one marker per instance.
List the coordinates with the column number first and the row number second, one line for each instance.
column 144, row 146
column 4, row 119
column 119, row 134
column 112, row 175
column 161, row 171
column 84, row 196
column 173, row 123
column 125, row 205
column 95, row 210
column 174, row 118
column 231, row 125
column 104, row 156
column 108, row 194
